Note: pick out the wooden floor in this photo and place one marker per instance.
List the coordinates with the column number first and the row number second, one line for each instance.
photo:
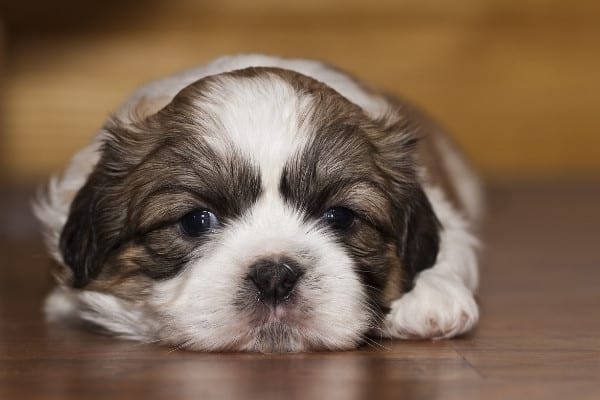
column 539, row 336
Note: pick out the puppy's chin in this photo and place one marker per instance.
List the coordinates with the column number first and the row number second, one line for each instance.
column 281, row 328
column 279, row 337
column 289, row 327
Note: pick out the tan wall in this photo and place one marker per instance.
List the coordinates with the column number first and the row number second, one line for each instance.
column 517, row 82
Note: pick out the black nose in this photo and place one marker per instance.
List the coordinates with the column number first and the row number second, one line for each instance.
column 274, row 280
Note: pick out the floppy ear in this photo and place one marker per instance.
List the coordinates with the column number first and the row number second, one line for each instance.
column 97, row 214
column 417, row 225
column 419, row 240
column 85, row 240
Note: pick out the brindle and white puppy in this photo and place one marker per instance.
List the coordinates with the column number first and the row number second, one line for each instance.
column 264, row 204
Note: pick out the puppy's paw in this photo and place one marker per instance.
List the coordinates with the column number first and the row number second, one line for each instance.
column 437, row 307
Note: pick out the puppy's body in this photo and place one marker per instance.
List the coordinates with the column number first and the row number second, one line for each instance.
column 294, row 166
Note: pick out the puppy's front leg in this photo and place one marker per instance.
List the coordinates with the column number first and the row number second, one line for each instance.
column 441, row 303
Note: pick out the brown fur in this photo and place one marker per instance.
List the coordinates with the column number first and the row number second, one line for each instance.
column 430, row 150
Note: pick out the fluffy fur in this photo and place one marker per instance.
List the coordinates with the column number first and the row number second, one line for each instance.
column 268, row 144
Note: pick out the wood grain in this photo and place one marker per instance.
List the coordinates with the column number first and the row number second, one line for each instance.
column 539, row 336
column 517, row 82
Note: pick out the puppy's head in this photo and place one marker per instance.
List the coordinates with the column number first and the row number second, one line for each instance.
column 259, row 210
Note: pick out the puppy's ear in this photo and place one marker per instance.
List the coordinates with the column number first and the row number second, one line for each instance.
column 417, row 225
column 85, row 241
column 419, row 239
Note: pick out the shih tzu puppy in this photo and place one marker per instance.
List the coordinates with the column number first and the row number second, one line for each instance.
column 265, row 204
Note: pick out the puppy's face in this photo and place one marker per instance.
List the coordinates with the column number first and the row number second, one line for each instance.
column 259, row 210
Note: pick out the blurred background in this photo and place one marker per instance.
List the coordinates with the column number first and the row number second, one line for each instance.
column 517, row 82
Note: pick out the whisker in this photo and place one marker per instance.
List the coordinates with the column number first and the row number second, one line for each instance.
column 179, row 346
column 373, row 343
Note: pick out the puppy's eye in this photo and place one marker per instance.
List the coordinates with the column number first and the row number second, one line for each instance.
column 339, row 218
column 198, row 222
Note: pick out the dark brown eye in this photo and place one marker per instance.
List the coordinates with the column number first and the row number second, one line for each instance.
column 198, row 222
column 340, row 218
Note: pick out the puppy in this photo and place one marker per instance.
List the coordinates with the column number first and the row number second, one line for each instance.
column 264, row 204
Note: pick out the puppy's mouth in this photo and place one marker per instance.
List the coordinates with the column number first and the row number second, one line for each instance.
column 270, row 310
column 276, row 337
column 274, row 323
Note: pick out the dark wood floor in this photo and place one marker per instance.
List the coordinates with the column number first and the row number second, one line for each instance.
column 539, row 336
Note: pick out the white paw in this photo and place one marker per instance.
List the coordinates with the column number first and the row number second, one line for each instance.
column 437, row 307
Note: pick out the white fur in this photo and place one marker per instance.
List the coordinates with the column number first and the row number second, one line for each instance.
column 194, row 309
column 266, row 142
column 468, row 187
column 117, row 316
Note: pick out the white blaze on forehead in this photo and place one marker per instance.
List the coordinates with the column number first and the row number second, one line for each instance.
column 264, row 118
